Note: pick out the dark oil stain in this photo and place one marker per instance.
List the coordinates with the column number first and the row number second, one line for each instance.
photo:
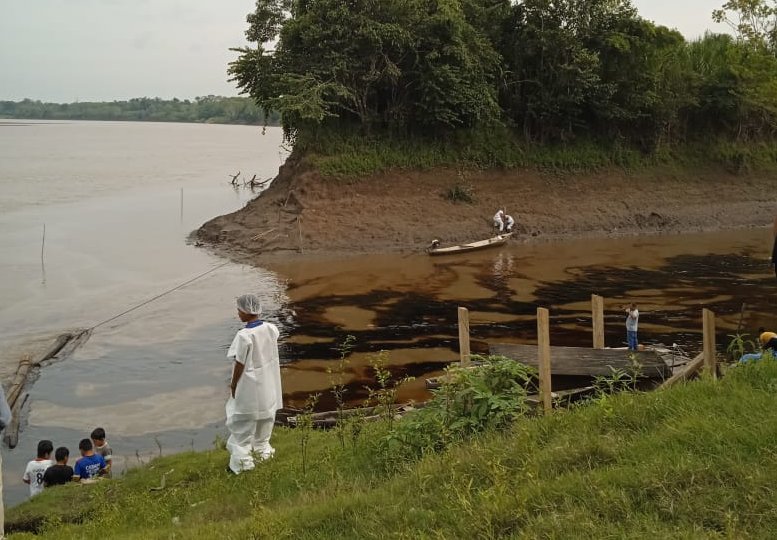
column 419, row 319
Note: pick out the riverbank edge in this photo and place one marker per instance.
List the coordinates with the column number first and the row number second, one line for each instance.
column 304, row 215
column 156, row 500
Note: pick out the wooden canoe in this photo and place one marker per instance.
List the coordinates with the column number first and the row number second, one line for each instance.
column 472, row 246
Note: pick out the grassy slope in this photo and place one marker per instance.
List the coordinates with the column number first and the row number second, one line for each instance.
column 693, row 462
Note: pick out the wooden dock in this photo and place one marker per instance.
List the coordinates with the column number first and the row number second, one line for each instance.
column 586, row 362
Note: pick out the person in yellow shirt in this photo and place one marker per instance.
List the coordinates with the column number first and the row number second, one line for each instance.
column 768, row 341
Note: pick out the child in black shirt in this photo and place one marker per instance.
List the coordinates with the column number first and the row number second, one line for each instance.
column 61, row 473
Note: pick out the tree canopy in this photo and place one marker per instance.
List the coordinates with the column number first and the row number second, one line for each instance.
column 553, row 71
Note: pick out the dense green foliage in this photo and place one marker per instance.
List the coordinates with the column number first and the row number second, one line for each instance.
column 544, row 72
column 693, row 462
column 208, row 109
column 493, row 396
column 352, row 155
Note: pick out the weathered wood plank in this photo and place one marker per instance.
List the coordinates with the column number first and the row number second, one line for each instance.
column 597, row 319
column 690, row 370
column 581, row 361
column 464, row 351
column 710, row 360
column 562, row 397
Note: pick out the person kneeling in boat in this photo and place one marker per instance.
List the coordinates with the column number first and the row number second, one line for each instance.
column 768, row 341
column 502, row 221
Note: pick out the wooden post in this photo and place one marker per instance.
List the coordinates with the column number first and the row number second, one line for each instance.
column 543, row 350
column 597, row 317
column 464, row 336
column 710, row 360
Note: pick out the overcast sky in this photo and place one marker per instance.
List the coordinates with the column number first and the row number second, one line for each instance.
column 105, row 50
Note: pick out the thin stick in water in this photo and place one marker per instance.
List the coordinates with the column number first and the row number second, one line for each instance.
column 43, row 243
column 299, row 225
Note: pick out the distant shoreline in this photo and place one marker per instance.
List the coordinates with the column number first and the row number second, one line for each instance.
column 4, row 121
column 201, row 110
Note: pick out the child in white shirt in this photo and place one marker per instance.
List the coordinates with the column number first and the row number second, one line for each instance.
column 33, row 474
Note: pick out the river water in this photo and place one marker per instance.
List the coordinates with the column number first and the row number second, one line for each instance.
column 118, row 201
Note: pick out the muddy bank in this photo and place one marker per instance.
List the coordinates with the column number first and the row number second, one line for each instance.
column 402, row 211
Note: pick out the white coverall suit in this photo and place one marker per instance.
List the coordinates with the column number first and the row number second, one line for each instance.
column 502, row 221
column 251, row 413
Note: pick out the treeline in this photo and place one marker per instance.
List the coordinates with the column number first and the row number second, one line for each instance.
column 549, row 71
column 206, row 109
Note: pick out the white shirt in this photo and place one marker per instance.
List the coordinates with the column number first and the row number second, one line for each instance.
column 34, row 473
column 632, row 320
column 498, row 216
column 258, row 394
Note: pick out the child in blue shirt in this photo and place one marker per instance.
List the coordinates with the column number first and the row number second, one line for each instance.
column 90, row 465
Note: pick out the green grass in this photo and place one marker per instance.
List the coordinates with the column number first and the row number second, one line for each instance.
column 696, row 461
column 347, row 156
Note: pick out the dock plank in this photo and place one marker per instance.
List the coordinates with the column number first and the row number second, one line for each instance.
column 582, row 361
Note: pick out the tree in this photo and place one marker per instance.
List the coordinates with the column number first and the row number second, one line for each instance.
column 553, row 71
column 754, row 21
column 398, row 66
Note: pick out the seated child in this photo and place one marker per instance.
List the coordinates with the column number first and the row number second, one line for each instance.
column 33, row 474
column 102, row 448
column 61, row 473
column 90, row 465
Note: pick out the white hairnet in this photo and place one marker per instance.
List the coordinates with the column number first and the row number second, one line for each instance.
column 250, row 304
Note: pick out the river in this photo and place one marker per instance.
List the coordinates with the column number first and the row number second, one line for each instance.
column 119, row 200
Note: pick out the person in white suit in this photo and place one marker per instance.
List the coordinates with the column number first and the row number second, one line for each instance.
column 502, row 221
column 255, row 387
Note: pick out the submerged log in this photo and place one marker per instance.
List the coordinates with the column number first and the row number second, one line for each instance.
column 63, row 345
column 329, row 419
column 27, row 363
column 11, row 436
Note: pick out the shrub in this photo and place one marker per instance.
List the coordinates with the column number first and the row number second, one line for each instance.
column 459, row 193
column 489, row 396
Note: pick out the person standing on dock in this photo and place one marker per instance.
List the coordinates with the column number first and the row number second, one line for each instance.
column 632, row 322
column 255, row 388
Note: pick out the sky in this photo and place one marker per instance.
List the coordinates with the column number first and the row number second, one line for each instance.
column 105, row 50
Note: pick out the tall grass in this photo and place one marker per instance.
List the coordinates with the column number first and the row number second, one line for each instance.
column 336, row 155
column 694, row 462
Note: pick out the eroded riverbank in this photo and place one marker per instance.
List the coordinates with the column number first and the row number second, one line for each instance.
column 402, row 211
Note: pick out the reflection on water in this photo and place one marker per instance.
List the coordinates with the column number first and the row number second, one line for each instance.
column 407, row 305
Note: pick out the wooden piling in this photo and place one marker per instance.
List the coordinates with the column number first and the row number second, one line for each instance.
column 464, row 351
column 597, row 318
column 710, row 359
column 543, row 352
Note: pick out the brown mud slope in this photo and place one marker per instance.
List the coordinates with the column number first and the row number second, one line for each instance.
column 405, row 210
